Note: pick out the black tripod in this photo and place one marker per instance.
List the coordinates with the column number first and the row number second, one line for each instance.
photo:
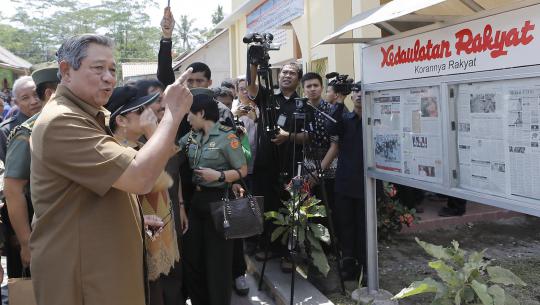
column 297, row 182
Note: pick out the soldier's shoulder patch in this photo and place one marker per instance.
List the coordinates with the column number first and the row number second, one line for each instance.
column 234, row 143
column 225, row 128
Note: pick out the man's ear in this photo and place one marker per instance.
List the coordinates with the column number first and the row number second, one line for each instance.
column 209, row 83
column 64, row 68
column 48, row 93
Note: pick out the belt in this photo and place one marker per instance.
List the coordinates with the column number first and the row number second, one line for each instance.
column 201, row 188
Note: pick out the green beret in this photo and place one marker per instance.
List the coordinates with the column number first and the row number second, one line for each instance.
column 45, row 75
column 204, row 91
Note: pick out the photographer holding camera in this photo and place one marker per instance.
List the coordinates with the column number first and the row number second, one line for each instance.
column 349, row 188
column 279, row 138
column 338, row 88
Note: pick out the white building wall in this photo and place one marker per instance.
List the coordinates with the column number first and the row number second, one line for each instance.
column 216, row 54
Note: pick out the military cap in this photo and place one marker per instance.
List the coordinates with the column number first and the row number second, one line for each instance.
column 203, row 91
column 45, row 75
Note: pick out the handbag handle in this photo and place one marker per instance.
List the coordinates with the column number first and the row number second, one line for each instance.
column 242, row 183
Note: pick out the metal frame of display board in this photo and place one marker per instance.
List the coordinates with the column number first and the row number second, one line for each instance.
column 447, row 111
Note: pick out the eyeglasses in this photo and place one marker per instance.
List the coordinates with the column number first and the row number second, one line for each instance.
column 153, row 232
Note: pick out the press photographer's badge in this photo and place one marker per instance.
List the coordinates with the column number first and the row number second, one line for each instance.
column 282, row 119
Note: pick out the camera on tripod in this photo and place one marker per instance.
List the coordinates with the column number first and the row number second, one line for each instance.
column 259, row 45
column 340, row 82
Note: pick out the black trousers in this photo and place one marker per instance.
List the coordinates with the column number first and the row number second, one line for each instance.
column 239, row 266
column 350, row 215
column 207, row 255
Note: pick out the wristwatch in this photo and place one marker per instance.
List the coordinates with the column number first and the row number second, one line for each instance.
column 221, row 177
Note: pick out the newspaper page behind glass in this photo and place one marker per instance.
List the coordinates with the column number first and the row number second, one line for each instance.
column 407, row 132
column 498, row 137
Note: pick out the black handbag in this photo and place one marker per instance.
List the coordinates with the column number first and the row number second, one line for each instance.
column 238, row 218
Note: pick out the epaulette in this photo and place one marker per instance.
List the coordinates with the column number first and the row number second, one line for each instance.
column 27, row 125
column 225, row 128
column 13, row 133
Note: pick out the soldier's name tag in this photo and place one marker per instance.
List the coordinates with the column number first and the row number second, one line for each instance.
column 282, row 119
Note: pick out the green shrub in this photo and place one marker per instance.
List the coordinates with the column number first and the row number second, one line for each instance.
column 464, row 278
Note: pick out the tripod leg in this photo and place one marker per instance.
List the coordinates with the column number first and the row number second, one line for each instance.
column 267, row 248
column 293, row 275
column 333, row 238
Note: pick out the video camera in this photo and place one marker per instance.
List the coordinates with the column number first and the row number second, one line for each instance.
column 259, row 45
column 340, row 82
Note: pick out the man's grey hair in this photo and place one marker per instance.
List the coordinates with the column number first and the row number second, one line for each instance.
column 19, row 82
column 74, row 49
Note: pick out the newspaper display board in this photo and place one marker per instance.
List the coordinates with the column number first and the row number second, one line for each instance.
column 407, row 132
column 456, row 110
column 498, row 137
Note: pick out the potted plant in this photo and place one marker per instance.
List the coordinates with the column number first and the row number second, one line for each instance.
column 297, row 224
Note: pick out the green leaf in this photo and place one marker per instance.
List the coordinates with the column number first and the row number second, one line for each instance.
column 301, row 236
column 442, row 301
column 277, row 233
column 320, row 261
column 510, row 300
column 437, row 252
column 271, row 214
column 481, row 291
column 468, row 294
column 314, row 243
column 320, row 232
column 446, row 273
column 504, row 276
column 285, row 238
column 457, row 298
column 418, row 287
column 498, row 294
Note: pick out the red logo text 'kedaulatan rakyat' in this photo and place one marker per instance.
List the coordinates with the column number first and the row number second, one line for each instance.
column 466, row 41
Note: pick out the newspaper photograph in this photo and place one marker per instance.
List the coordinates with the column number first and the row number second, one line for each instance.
column 388, row 152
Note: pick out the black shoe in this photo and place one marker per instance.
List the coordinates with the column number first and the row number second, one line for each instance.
column 449, row 212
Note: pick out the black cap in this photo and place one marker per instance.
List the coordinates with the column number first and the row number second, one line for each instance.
column 223, row 91
column 126, row 99
column 356, row 86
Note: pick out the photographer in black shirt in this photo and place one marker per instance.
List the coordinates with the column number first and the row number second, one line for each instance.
column 272, row 171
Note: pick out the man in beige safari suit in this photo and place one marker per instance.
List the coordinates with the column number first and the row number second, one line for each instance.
column 87, row 245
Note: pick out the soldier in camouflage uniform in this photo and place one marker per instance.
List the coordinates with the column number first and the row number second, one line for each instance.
column 17, row 176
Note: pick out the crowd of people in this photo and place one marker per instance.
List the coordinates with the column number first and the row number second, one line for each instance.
column 108, row 188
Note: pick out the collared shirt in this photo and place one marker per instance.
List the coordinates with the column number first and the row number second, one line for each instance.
column 221, row 151
column 288, row 153
column 320, row 139
column 87, row 235
column 350, row 168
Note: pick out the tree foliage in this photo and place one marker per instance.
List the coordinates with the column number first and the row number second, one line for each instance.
column 39, row 27
column 44, row 24
column 217, row 16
